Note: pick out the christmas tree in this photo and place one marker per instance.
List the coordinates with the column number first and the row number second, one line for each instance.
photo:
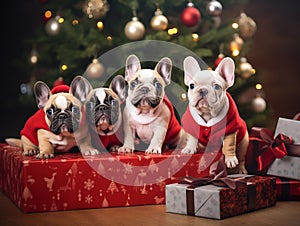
column 73, row 35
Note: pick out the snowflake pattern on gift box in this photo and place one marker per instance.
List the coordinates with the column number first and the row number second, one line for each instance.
column 89, row 184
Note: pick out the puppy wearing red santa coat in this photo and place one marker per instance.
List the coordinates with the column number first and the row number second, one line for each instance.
column 212, row 117
column 104, row 114
column 60, row 121
column 148, row 116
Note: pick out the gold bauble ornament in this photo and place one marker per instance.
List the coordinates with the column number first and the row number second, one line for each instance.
column 247, row 26
column 236, row 43
column 159, row 21
column 245, row 68
column 134, row 29
column 96, row 9
column 95, row 69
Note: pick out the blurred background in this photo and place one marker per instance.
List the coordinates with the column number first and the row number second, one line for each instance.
column 272, row 50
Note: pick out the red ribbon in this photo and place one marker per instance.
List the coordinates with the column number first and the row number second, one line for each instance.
column 217, row 176
column 274, row 148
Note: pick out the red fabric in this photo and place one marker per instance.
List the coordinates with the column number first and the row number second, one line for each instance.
column 234, row 123
column 174, row 126
column 37, row 121
column 72, row 181
column 108, row 141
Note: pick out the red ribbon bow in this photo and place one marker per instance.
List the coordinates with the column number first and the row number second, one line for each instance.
column 275, row 147
column 217, row 176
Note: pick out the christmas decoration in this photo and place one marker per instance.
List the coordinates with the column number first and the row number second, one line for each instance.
column 245, row 69
column 247, row 26
column 52, row 26
column 159, row 21
column 190, row 16
column 96, row 9
column 95, row 69
column 219, row 59
column 259, row 104
column 236, row 44
column 59, row 81
column 214, row 8
column 134, row 29
column 33, row 55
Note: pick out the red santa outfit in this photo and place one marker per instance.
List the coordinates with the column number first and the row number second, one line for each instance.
column 142, row 123
column 110, row 140
column 37, row 121
column 211, row 133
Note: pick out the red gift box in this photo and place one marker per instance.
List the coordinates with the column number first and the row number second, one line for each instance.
column 72, row 181
column 287, row 189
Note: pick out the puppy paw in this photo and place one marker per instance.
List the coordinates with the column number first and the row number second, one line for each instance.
column 30, row 152
column 231, row 161
column 90, row 152
column 125, row 149
column 242, row 169
column 44, row 156
column 189, row 151
column 114, row 148
column 156, row 150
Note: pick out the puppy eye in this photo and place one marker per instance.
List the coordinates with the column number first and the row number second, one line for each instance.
column 192, row 86
column 157, row 85
column 49, row 111
column 90, row 105
column 133, row 84
column 75, row 110
column 114, row 103
column 217, row 87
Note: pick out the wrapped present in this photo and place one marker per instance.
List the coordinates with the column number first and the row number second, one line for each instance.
column 264, row 148
column 220, row 197
column 287, row 189
column 288, row 166
column 72, row 181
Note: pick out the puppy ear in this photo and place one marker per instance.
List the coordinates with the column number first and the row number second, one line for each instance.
column 226, row 69
column 80, row 88
column 42, row 93
column 132, row 66
column 190, row 67
column 118, row 86
column 164, row 68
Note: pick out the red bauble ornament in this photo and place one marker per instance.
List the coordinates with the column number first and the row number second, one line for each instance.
column 219, row 59
column 190, row 16
column 59, row 81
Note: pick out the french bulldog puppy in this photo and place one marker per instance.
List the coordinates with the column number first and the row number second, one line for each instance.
column 148, row 116
column 212, row 116
column 60, row 114
column 103, row 109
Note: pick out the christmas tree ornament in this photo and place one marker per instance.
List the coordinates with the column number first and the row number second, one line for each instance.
column 236, row 44
column 52, row 26
column 159, row 21
column 219, row 59
column 34, row 56
column 245, row 68
column 96, row 9
column 214, row 8
column 134, row 29
column 59, row 81
column 190, row 16
column 259, row 104
column 95, row 69
column 247, row 26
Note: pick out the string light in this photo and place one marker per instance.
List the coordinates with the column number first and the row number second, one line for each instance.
column 235, row 25
column 235, row 52
column 48, row 14
column 75, row 22
column 64, row 67
column 100, row 25
column 258, row 86
column 109, row 38
column 172, row 31
column 195, row 37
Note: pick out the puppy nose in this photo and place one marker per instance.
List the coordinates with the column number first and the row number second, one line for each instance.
column 63, row 116
column 145, row 89
column 102, row 107
column 203, row 92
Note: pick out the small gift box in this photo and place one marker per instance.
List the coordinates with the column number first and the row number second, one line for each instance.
column 264, row 148
column 287, row 189
column 289, row 165
column 220, row 197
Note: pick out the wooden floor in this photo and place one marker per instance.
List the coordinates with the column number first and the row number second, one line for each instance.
column 284, row 213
